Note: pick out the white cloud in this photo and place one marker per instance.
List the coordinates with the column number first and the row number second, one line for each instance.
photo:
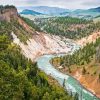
column 92, row 3
column 70, row 4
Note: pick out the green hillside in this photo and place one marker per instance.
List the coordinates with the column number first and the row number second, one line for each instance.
column 82, row 57
column 72, row 28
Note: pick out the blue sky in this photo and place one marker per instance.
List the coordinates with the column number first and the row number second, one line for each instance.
column 69, row 4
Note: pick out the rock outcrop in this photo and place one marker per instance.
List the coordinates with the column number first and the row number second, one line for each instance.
column 8, row 13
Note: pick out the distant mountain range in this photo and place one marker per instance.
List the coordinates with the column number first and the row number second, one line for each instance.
column 55, row 11
column 93, row 12
column 30, row 12
column 95, row 9
column 47, row 10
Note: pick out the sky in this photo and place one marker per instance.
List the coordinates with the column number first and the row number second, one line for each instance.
column 69, row 4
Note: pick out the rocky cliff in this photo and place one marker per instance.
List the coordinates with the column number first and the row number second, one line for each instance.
column 8, row 13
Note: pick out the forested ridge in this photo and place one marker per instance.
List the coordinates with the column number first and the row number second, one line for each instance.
column 73, row 28
column 83, row 56
column 19, row 30
column 32, row 24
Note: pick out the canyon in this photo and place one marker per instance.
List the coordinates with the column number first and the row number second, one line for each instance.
column 40, row 43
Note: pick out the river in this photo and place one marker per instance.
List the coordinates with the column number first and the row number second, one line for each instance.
column 71, row 84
